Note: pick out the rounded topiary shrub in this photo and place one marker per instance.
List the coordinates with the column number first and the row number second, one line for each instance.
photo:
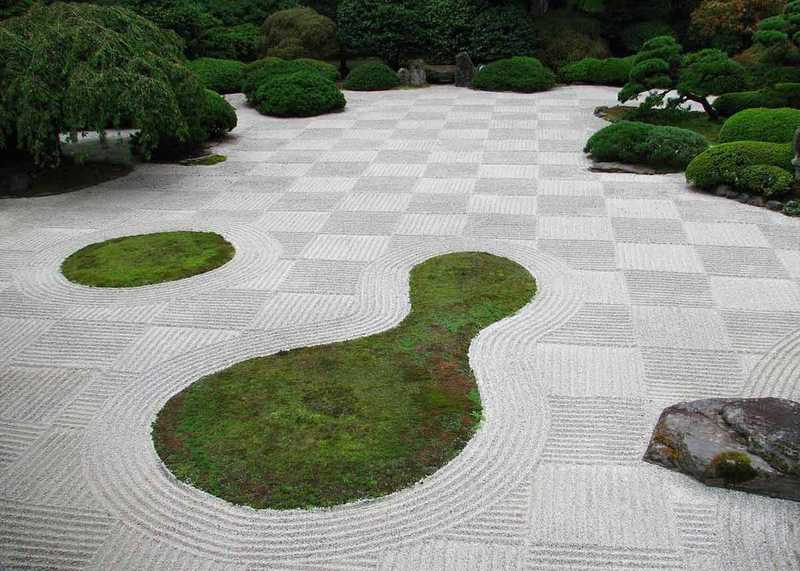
column 521, row 74
column 760, row 124
column 300, row 94
column 635, row 35
column 610, row 71
column 730, row 104
column 220, row 117
column 371, row 77
column 240, row 42
column 259, row 71
column 764, row 180
column 666, row 148
column 299, row 32
column 220, row 75
column 723, row 163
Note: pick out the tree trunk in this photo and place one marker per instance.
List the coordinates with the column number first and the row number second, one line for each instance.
column 538, row 7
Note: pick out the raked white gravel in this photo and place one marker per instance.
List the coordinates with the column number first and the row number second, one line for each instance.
column 650, row 294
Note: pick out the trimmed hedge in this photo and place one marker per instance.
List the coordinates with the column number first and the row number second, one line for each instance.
column 723, row 164
column 610, row 71
column 768, row 125
column 220, row 75
column 730, row 104
column 636, row 35
column 521, row 74
column 300, row 94
column 765, row 180
column 641, row 143
column 299, row 32
column 372, row 77
column 220, row 117
column 261, row 70
column 240, row 42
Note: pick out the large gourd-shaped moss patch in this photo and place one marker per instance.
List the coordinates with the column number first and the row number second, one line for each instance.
column 321, row 426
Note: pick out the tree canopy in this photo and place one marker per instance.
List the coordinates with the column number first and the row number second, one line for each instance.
column 67, row 68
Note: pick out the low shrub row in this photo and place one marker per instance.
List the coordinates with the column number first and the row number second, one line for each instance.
column 610, row 71
column 371, row 77
column 733, row 164
column 779, row 95
column 520, row 74
column 667, row 148
column 220, row 75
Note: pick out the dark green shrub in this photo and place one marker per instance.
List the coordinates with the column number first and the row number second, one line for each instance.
column 501, row 32
column 659, row 68
column 522, row 74
column 104, row 66
column 220, row 116
column 220, row 75
column 299, row 33
column 641, row 143
column 372, row 77
column 764, row 180
column 723, row 163
column 759, row 124
column 783, row 95
column 380, row 28
column 299, row 94
column 261, row 70
column 236, row 42
column 237, row 12
column 610, row 71
column 564, row 37
column 762, row 76
column 449, row 27
column 635, row 35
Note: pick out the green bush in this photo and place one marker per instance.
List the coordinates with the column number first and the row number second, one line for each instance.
column 449, row 27
column 782, row 95
column 299, row 33
column 220, row 75
column 642, row 143
column 723, row 163
column 522, row 74
column 380, row 28
column 240, row 42
column 299, row 94
column 564, row 37
column 103, row 66
column 261, row 70
column 762, row 76
column 635, row 35
column 501, row 32
column 220, row 116
column 611, row 71
column 372, row 77
column 764, row 180
column 759, row 124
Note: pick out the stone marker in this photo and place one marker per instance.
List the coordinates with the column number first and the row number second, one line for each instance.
column 403, row 76
column 465, row 69
column 416, row 73
column 752, row 445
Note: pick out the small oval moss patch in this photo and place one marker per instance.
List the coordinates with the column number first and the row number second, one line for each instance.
column 325, row 425
column 147, row 259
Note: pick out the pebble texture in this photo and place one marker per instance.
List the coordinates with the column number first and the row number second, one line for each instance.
column 649, row 294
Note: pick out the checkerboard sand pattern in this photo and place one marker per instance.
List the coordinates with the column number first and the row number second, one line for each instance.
column 649, row 294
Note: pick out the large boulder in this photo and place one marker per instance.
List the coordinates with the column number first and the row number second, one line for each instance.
column 751, row 445
column 416, row 73
column 465, row 69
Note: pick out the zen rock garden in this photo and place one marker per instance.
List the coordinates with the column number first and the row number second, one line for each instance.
column 430, row 284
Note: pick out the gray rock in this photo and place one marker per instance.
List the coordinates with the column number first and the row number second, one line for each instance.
column 744, row 198
column 612, row 167
column 775, row 205
column 723, row 190
column 14, row 181
column 416, row 73
column 756, row 201
column 465, row 69
column 732, row 194
column 404, row 76
column 440, row 74
column 752, row 445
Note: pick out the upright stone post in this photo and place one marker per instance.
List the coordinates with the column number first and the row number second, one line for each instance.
column 796, row 160
column 465, row 69
column 416, row 73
